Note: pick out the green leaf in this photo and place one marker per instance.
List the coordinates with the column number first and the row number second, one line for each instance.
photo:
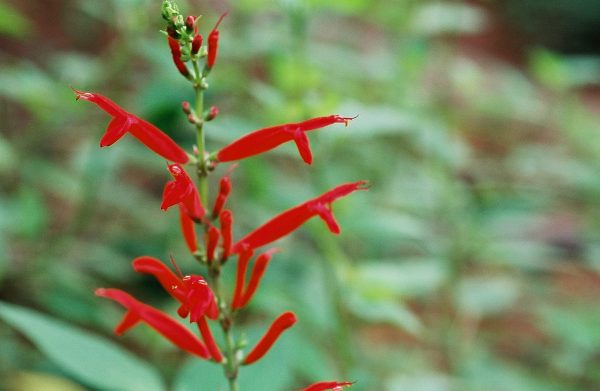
column 91, row 359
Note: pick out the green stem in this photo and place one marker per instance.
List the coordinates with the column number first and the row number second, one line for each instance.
column 231, row 365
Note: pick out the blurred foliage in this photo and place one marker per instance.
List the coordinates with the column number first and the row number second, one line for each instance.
column 473, row 263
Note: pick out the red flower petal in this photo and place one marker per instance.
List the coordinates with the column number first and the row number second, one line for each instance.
column 169, row 281
column 327, row 385
column 145, row 132
column 282, row 323
column 211, row 344
column 240, row 279
column 266, row 139
column 291, row 219
column 168, row 327
column 188, row 230
column 182, row 191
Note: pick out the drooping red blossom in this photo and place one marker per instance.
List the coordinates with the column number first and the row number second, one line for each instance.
column 226, row 221
column 260, row 265
column 213, row 43
column 265, row 139
column 181, row 190
column 282, row 323
column 212, row 239
column 124, row 122
column 188, row 230
column 291, row 219
column 327, row 385
column 192, row 292
column 168, row 327
column 176, row 54
column 240, row 279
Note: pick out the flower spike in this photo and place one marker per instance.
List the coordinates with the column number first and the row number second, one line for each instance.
column 181, row 190
column 282, row 323
column 291, row 219
column 327, row 385
column 263, row 140
column 124, row 122
column 168, row 327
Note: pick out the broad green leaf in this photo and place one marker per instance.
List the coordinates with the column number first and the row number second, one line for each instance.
column 91, row 359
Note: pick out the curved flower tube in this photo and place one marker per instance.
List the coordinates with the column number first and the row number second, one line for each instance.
column 282, row 323
column 181, row 190
column 263, row 140
column 166, row 326
column 124, row 122
column 291, row 219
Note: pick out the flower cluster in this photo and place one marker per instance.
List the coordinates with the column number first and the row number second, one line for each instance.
column 202, row 300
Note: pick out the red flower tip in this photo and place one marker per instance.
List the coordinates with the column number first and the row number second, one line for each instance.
column 212, row 113
column 124, row 122
column 266, row 139
column 168, row 327
column 282, row 323
column 327, row 385
column 224, row 190
column 213, row 43
column 293, row 218
column 182, row 191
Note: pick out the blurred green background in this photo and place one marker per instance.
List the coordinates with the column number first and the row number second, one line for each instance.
column 473, row 263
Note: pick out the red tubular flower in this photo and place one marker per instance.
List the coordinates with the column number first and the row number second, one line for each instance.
column 182, row 191
column 195, row 296
column 240, row 279
column 263, row 140
column 168, row 327
column 212, row 346
column 282, row 323
column 124, row 122
column 213, row 43
column 176, row 54
column 327, row 385
column 226, row 221
column 188, row 230
column 211, row 243
column 260, row 265
column 196, row 43
column 291, row 219
column 224, row 190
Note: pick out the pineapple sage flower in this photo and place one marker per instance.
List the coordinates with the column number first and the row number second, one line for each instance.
column 265, row 139
column 124, row 122
column 192, row 292
column 293, row 218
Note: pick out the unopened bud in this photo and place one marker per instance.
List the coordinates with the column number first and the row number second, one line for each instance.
column 172, row 32
column 189, row 23
column 212, row 113
column 196, row 43
column 186, row 107
column 191, row 118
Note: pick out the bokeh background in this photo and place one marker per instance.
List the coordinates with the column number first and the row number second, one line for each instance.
column 473, row 263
